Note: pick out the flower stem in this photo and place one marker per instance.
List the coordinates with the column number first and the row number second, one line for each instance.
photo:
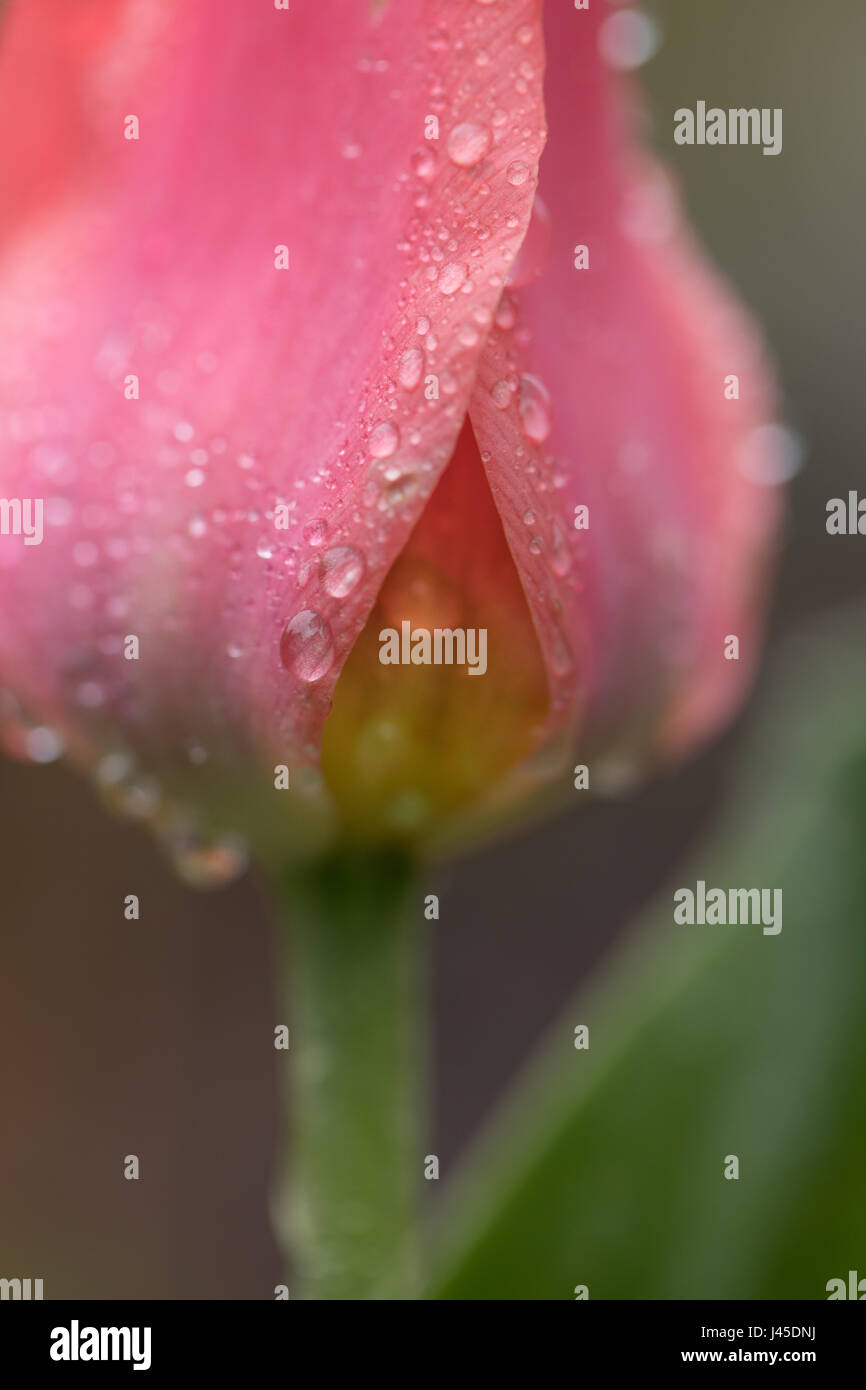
column 355, row 1158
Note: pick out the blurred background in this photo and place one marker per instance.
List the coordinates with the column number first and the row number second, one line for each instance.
column 155, row 1038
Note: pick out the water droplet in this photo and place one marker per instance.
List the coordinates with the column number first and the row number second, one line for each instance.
column 384, row 440
column 452, row 277
column 468, row 143
column 398, row 485
column 411, row 368
column 536, row 545
column 315, row 532
column 506, row 314
column 183, row 431
column 234, row 651
column 195, row 477
column 423, row 164
column 561, row 561
column 264, row 549
column 197, row 525
column 561, row 656
column 501, row 395
column 422, row 327
column 534, row 405
column 308, row 569
column 517, row 172
column 343, row 569
column 524, row 34
column 529, row 518
column 307, row 646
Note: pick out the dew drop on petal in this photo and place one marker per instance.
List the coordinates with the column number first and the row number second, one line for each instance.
column 501, row 395
column 410, row 369
column 307, row 646
column 384, row 440
column 452, row 277
column 315, row 532
column 517, row 172
column 468, row 143
column 342, row 570
column 561, row 561
column 423, row 164
column 534, row 406
column 506, row 315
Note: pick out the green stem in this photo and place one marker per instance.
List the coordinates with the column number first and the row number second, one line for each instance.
column 354, row 1012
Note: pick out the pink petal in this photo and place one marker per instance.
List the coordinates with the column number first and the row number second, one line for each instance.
column 259, row 387
column 605, row 387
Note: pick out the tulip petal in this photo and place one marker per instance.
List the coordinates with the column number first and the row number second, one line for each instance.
column 243, row 290
column 606, row 388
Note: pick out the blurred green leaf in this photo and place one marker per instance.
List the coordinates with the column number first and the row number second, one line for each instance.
column 606, row 1168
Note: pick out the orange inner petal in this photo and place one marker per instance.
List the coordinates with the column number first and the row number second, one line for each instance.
column 408, row 744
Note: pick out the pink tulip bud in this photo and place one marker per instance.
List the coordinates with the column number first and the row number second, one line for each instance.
column 293, row 352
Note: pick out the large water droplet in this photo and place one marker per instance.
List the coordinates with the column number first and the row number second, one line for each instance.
column 534, row 406
column 384, row 440
column 452, row 277
column 307, row 646
column 342, row 570
column 411, row 368
column 468, row 143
